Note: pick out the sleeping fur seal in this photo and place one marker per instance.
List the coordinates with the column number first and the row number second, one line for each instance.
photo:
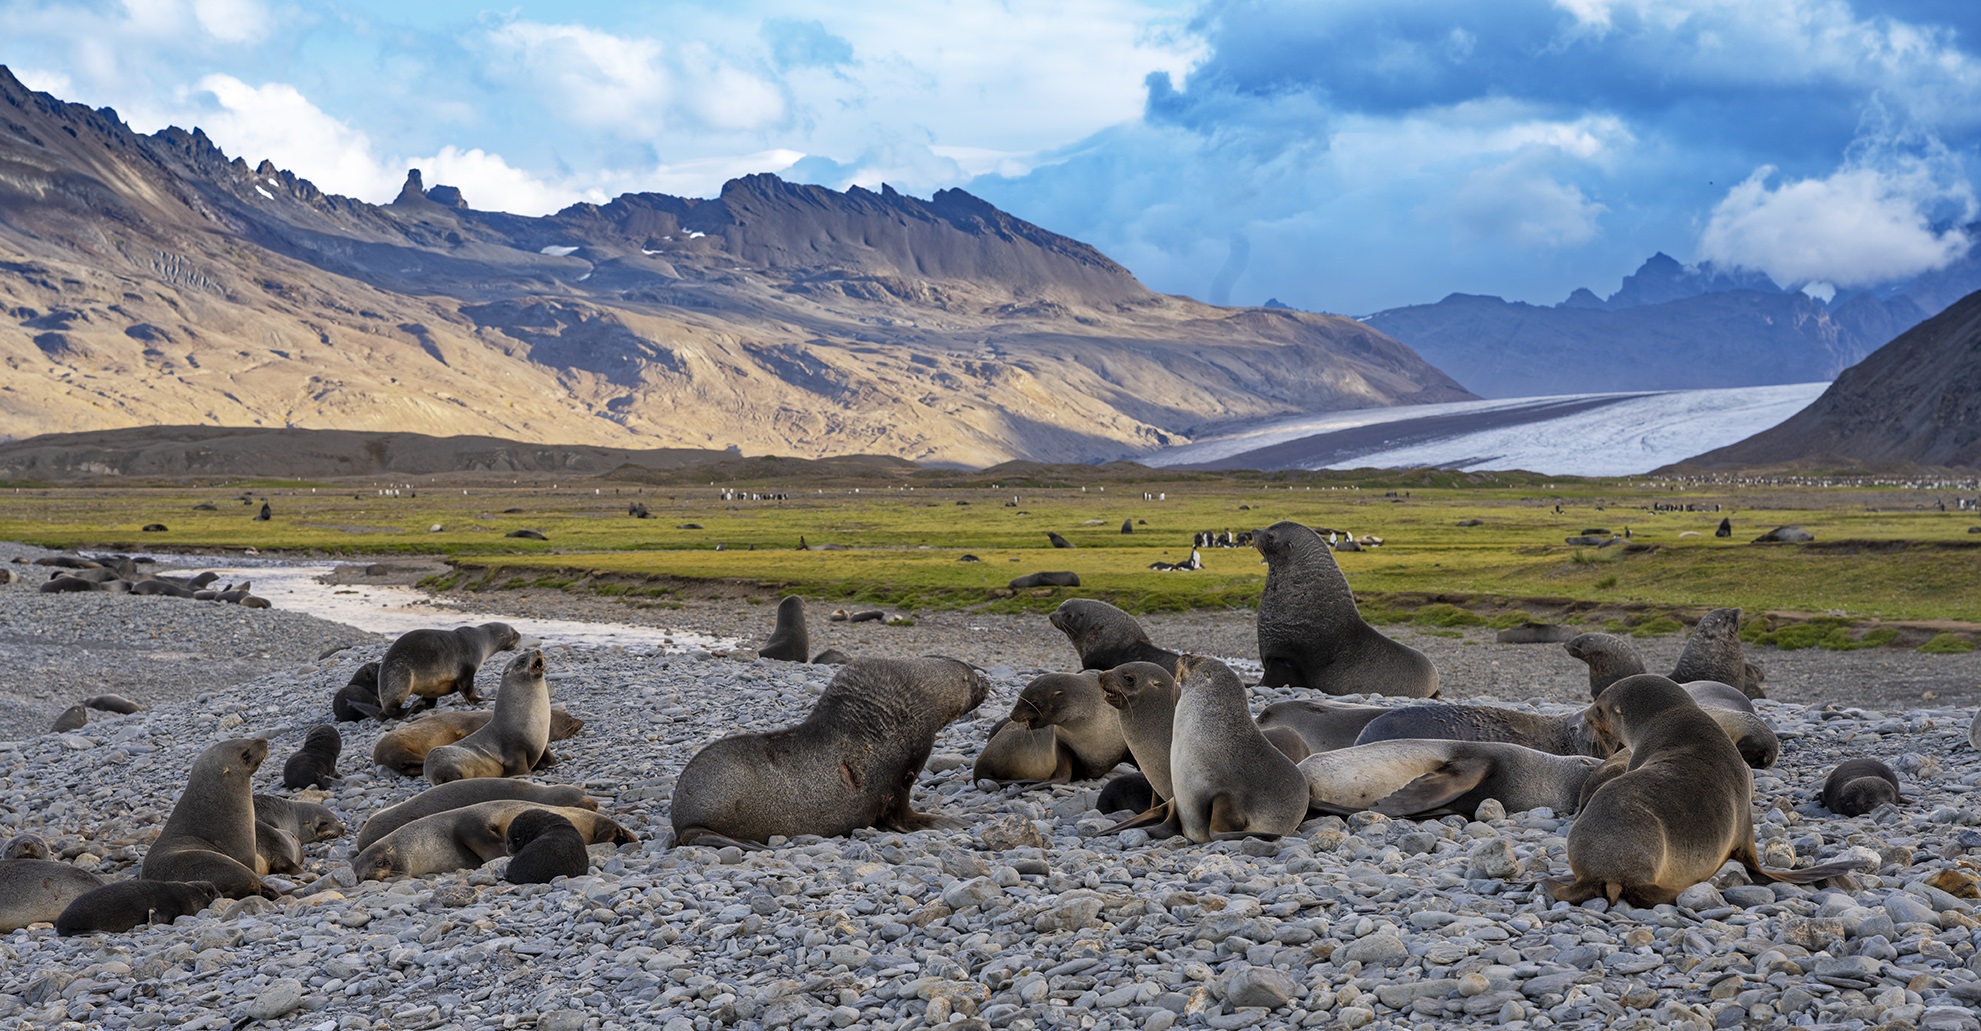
column 464, row 838
column 1680, row 810
column 1311, row 634
column 308, row 821
column 514, row 740
column 35, row 891
column 1322, row 723
column 1557, row 735
column 210, row 835
column 1230, row 781
column 1106, row 636
column 542, row 847
column 430, row 664
column 1858, row 786
column 124, row 905
column 1415, row 777
column 852, row 763
column 404, row 748
column 463, row 793
column 788, row 639
column 1060, row 729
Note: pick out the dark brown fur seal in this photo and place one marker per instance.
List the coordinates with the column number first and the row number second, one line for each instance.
column 463, row 793
column 514, row 741
column 36, row 891
column 404, row 748
column 544, row 846
column 75, row 717
column 788, row 639
column 1858, row 786
column 1416, row 777
column 358, row 699
column 850, row 764
column 1106, row 636
column 113, row 703
column 430, row 664
column 1310, row 633
column 1322, row 723
column 1557, row 735
column 1713, row 653
column 1061, row 729
column 124, row 905
column 464, row 838
column 1680, row 810
column 315, row 764
column 211, row 833
column 1230, row 781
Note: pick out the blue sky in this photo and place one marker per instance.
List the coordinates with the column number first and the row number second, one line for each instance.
column 1340, row 155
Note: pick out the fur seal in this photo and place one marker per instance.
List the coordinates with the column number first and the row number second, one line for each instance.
column 1057, row 578
column 460, row 794
column 1858, row 786
column 315, row 764
column 788, row 639
column 1713, row 653
column 852, row 763
column 75, row 717
column 464, row 838
column 514, row 741
column 542, row 847
column 1230, row 781
column 1682, row 807
column 1323, row 724
column 1418, row 777
column 35, row 891
column 26, row 846
column 433, row 663
column 210, row 835
column 113, row 703
column 1058, row 541
column 831, row 657
column 1310, row 633
column 404, row 748
column 1130, row 793
column 358, row 699
column 1145, row 695
column 1557, row 735
column 308, row 822
column 162, row 588
column 1106, row 636
column 276, row 850
column 68, row 585
column 1061, row 729
column 124, row 905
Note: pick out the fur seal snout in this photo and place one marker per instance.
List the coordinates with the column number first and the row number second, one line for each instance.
column 852, row 763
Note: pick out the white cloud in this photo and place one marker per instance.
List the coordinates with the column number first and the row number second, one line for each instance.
column 277, row 122
column 46, row 81
column 1872, row 221
column 1520, row 203
column 631, row 85
column 232, row 21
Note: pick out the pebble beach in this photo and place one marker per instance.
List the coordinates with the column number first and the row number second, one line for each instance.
column 1027, row 919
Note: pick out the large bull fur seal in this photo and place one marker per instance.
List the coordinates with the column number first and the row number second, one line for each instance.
column 431, row 664
column 1682, row 807
column 850, row 764
column 210, row 835
column 1312, row 636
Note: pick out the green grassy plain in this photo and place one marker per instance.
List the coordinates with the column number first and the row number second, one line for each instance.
column 1880, row 553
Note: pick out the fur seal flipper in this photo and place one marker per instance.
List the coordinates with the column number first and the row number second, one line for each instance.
column 1310, row 633
column 852, row 763
column 431, row 664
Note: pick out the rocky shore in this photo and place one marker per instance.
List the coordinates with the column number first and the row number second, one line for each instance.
column 1028, row 919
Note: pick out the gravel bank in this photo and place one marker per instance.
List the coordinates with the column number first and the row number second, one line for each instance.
column 1028, row 920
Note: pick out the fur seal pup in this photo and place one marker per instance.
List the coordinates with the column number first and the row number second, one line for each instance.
column 1078, row 733
column 831, row 657
column 276, row 850
column 75, row 717
column 404, row 748
column 26, row 846
column 460, row 794
column 1713, row 653
column 788, row 639
column 1106, row 636
column 432, row 663
column 36, row 891
column 315, row 764
column 464, row 838
column 1128, row 793
column 544, row 846
column 1145, row 695
column 113, row 703
column 1310, row 633
column 307, row 822
column 210, row 835
column 1682, row 807
column 1858, row 786
column 852, row 763
column 1418, row 777
column 124, row 905
column 358, row 699
column 517, row 736
column 1230, row 781
column 1323, row 724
